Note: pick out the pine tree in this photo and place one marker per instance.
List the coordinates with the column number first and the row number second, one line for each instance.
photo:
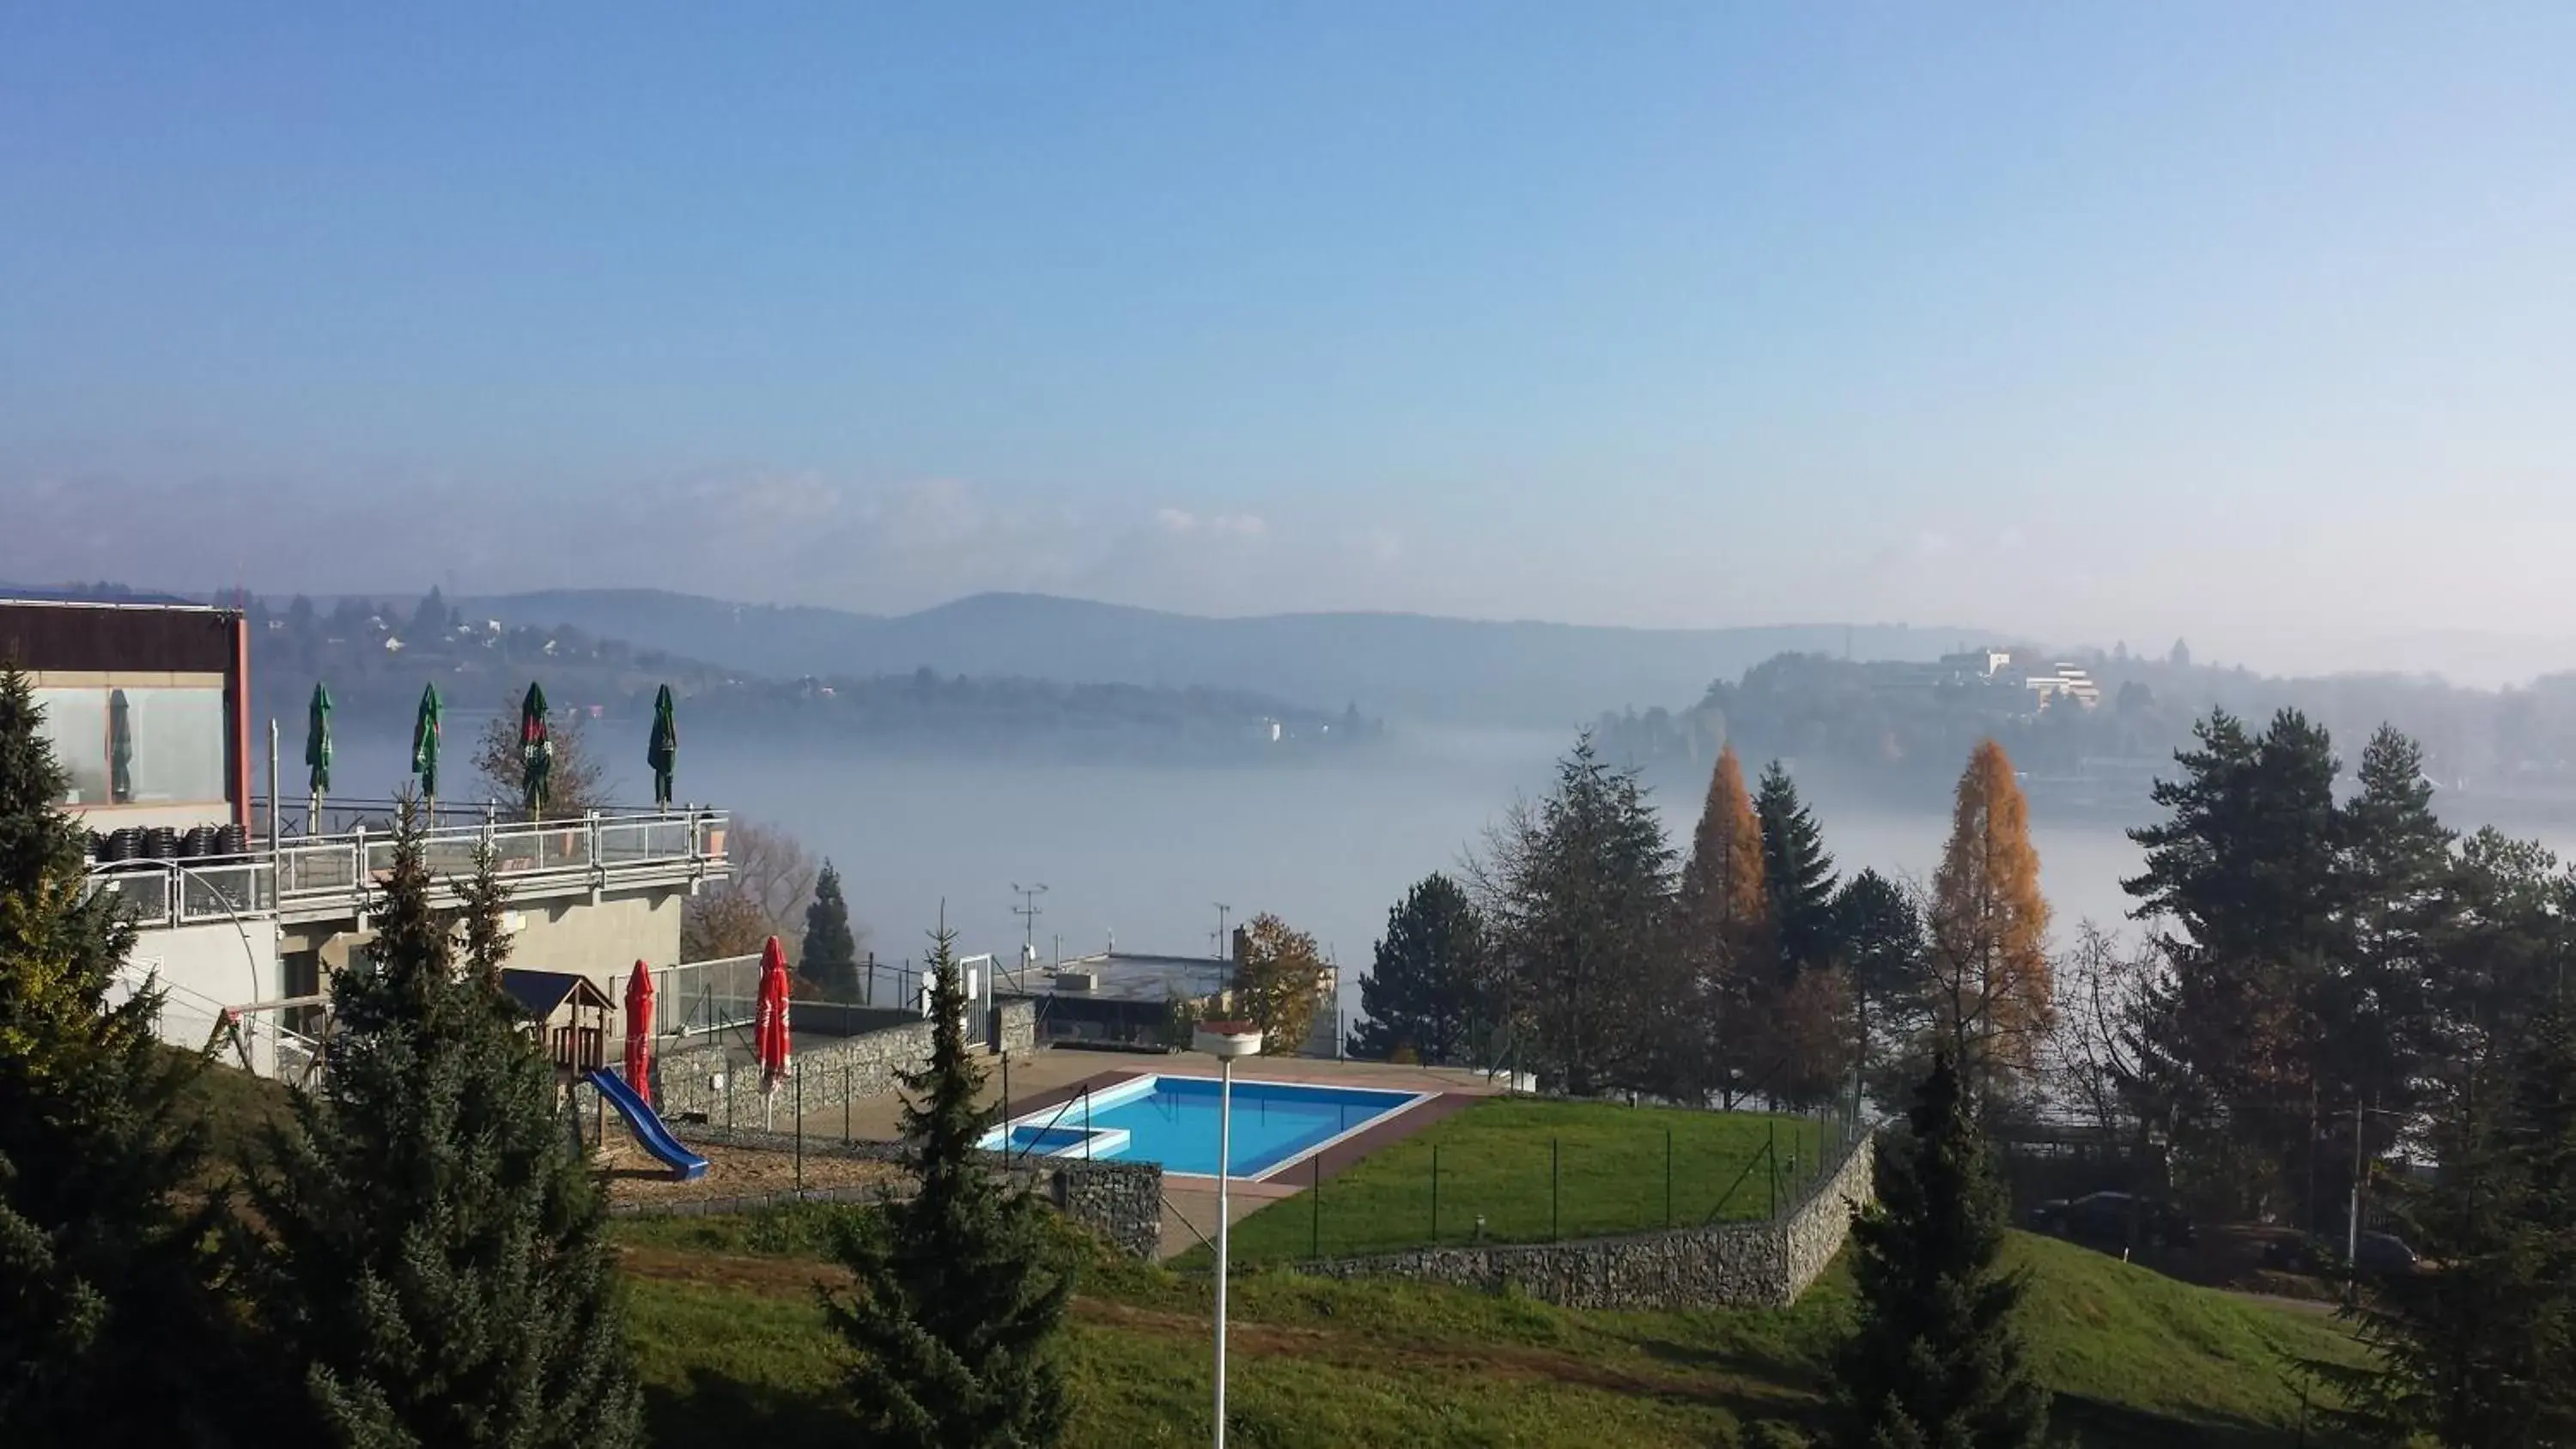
column 1578, row 892
column 1421, row 992
column 2396, row 855
column 958, row 1294
column 111, row 1332
column 1936, row 1361
column 1883, row 946
column 1797, row 872
column 1991, row 1001
column 830, row 958
column 2479, row 1349
column 437, row 1257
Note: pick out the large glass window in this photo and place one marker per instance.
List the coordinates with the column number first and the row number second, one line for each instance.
column 137, row 746
column 75, row 721
column 178, row 745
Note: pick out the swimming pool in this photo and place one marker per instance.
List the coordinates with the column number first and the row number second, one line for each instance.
column 1172, row 1120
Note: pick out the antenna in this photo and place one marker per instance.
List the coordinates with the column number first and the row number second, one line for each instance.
column 1028, row 911
column 1224, row 948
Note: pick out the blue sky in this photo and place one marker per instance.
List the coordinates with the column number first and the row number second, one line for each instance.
column 2250, row 323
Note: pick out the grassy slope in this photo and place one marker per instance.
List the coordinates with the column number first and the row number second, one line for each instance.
column 1495, row 1161
column 729, row 1341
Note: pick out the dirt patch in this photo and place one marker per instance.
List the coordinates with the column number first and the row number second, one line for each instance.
column 634, row 1176
column 771, row 1277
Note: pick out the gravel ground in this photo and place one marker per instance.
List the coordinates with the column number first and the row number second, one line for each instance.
column 634, row 1176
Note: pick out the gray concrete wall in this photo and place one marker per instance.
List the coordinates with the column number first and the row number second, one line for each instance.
column 725, row 1086
column 1122, row 1202
column 1765, row 1264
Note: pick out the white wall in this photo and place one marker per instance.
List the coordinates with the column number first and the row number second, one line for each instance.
column 203, row 969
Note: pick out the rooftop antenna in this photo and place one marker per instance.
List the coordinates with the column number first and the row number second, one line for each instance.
column 1224, row 952
column 1028, row 911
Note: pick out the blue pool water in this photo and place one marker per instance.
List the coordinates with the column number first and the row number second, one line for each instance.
column 1172, row 1120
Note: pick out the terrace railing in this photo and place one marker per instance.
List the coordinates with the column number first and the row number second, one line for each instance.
column 315, row 877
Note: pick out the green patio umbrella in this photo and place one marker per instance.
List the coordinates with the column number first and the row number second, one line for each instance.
column 120, row 748
column 536, row 750
column 663, row 753
column 425, row 735
column 317, row 754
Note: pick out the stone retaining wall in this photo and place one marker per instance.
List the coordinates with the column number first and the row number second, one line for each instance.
column 1764, row 1264
column 1120, row 1201
column 849, row 1070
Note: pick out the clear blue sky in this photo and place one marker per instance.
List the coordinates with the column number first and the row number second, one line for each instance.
column 2251, row 323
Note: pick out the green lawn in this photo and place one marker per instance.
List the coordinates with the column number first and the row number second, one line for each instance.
column 732, row 1349
column 1535, row 1170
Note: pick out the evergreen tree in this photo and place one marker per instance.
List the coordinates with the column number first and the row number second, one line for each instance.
column 2479, row 1350
column 831, row 955
column 2248, row 895
column 437, row 1258
column 1577, row 891
column 2378, row 1009
column 1988, row 928
column 1797, row 872
column 1936, row 1362
column 111, row 1332
column 958, row 1293
column 1884, row 948
column 1421, row 991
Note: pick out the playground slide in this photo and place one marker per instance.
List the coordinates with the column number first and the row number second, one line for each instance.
column 647, row 1125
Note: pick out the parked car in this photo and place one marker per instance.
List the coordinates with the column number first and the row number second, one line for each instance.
column 2374, row 1254
column 2114, row 1221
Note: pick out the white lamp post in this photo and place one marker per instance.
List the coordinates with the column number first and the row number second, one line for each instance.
column 1224, row 1040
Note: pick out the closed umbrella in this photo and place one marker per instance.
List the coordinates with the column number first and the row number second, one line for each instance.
column 317, row 754
column 663, row 753
column 639, row 1032
column 536, row 751
column 120, row 748
column 425, row 733
column 770, row 1032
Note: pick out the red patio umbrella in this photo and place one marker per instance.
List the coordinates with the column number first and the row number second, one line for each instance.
column 639, row 1032
column 769, row 1033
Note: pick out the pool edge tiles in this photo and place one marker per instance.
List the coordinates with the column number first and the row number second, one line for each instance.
column 1391, row 1104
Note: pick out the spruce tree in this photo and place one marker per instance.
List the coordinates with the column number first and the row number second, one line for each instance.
column 111, row 1332
column 959, row 1290
column 2479, row 1349
column 830, row 957
column 1421, row 991
column 1797, row 872
column 437, row 1258
column 1936, row 1359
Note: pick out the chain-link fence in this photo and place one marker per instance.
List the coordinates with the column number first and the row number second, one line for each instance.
column 1514, row 1171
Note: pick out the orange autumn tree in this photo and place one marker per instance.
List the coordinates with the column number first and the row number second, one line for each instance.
column 1725, row 916
column 1989, row 929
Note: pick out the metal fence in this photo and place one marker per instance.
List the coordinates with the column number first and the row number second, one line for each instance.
column 1463, row 1183
column 698, row 998
column 342, row 865
column 164, row 893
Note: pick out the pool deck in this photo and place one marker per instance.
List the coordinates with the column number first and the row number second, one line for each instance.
column 1050, row 1078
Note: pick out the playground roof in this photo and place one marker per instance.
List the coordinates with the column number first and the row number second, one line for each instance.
column 539, row 993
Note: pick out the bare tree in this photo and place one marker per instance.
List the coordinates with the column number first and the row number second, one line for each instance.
column 579, row 781
column 772, row 880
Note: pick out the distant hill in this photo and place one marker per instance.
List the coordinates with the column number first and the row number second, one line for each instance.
column 1403, row 666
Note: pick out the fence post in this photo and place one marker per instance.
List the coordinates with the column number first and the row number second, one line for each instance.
column 1771, row 1162
column 1435, row 1194
column 1668, row 1177
column 1556, row 1189
column 1315, row 1190
column 800, row 1133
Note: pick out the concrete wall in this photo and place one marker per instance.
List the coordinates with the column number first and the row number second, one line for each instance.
column 1120, row 1201
column 1766, row 1264
column 725, row 1085
column 203, row 969
column 603, row 941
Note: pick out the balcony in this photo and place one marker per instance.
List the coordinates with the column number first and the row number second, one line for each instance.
column 305, row 878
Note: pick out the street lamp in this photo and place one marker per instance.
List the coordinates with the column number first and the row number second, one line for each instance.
column 1224, row 1040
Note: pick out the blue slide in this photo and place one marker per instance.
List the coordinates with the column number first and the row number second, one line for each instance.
column 647, row 1125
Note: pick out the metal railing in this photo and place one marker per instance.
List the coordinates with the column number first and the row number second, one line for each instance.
column 697, row 998
column 169, row 893
column 595, row 847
